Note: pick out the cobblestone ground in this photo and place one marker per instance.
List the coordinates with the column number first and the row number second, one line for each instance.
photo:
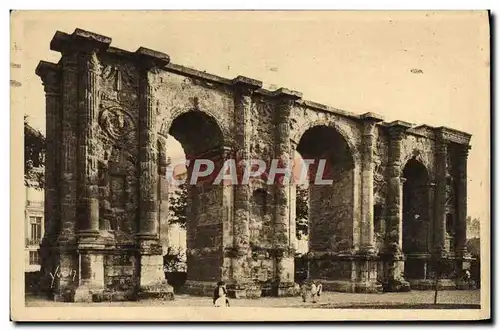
column 448, row 299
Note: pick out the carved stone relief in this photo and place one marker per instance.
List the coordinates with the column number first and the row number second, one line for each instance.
column 116, row 122
column 379, row 169
column 120, row 75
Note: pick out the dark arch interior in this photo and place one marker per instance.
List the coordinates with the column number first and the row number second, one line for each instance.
column 415, row 172
column 327, row 143
column 416, row 215
column 198, row 133
column 201, row 138
column 330, row 205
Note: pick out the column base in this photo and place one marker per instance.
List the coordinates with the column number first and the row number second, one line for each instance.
column 397, row 285
column 161, row 291
column 288, row 289
column 244, row 291
column 65, row 295
column 153, row 284
column 368, row 287
column 200, row 288
column 87, row 293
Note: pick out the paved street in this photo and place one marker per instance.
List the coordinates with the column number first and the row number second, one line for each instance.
column 421, row 299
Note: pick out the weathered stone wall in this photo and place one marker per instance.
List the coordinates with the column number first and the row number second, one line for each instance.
column 177, row 94
column 331, row 214
column 380, row 163
column 120, row 272
column 420, row 147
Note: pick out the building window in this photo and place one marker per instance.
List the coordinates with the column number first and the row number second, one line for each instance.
column 35, row 229
column 34, row 260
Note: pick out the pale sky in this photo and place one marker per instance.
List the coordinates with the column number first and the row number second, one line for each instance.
column 355, row 61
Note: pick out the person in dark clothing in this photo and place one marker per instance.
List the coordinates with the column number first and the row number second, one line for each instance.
column 220, row 291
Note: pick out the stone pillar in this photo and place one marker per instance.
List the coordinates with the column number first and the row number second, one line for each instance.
column 440, row 196
column 367, row 230
column 87, row 139
column 66, row 256
column 79, row 107
column 285, row 254
column 431, row 196
column 90, row 244
column 50, row 75
column 395, row 204
column 461, row 224
column 243, row 90
column 152, row 282
column 69, row 142
column 228, row 227
column 148, row 158
column 51, row 78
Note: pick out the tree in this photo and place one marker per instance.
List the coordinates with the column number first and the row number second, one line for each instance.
column 34, row 154
column 178, row 206
column 174, row 260
column 302, row 211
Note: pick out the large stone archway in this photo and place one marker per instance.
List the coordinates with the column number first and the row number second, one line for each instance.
column 202, row 138
column 332, row 206
column 416, row 220
column 107, row 111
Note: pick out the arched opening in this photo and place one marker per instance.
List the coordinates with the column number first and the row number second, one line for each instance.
column 172, row 210
column 415, row 217
column 331, row 199
column 200, row 138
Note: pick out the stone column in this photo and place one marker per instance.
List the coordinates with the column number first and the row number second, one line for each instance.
column 430, row 222
column 395, row 204
column 152, row 282
column 228, row 226
column 285, row 254
column 78, row 103
column 88, row 198
column 440, row 197
column 148, row 158
column 90, row 244
column 243, row 90
column 68, row 150
column 461, row 224
column 367, row 230
column 51, row 78
column 50, row 75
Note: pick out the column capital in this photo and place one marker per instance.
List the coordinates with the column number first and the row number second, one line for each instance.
column 93, row 63
column 463, row 151
column 284, row 100
column 397, row 129
column 150, row 59
column 246, row 85
column 79, row 40
column 50, row 75
column 371, row 118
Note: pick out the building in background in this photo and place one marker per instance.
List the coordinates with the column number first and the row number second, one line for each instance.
column 33, row 227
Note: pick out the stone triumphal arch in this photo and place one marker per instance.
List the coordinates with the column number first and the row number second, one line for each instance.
column 397, row 202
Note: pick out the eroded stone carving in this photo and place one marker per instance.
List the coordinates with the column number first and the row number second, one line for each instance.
column 120, row 74
column 116, row 122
